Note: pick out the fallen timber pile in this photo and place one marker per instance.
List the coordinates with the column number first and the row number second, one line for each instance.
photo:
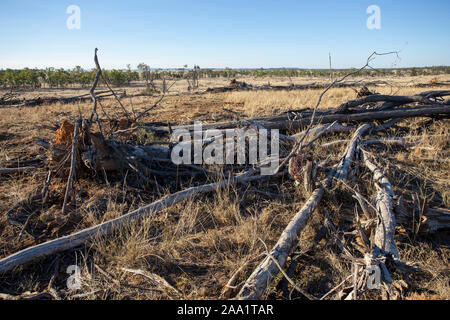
column 79, row 149
column 51, row 100
column 295, row 121
column 243, row 86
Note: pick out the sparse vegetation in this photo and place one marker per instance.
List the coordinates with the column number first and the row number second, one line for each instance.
column 199, row 244
column 61, row 78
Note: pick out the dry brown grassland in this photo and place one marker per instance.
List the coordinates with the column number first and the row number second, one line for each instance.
column 198, row 244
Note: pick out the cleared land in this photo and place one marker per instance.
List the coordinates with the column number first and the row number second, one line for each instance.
column 199, row 244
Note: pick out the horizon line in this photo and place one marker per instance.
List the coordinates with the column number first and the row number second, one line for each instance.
column 224, row 68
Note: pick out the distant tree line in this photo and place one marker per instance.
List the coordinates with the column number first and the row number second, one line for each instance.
column 286, row 72
column 62, row 78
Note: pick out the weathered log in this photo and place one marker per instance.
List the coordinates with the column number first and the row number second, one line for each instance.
column 435, row 220
column 52, row 100
column 432, row 221
column 286, row 123
column 86, row 235
column 16, row 170
column 385, row 229
column 424, row 98
column 262, row 276
column 342, row 170
column 406, row 141
column 325, row 129
column 17, row 163
column 264, row 273
column 92, row 91
column 230, row 288
column 242, row 86
column 72, row 165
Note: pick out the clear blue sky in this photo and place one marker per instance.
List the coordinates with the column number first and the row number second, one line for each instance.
column 223, row 33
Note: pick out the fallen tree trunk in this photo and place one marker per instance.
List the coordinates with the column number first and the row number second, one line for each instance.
column 83, row 236
column 51, row 100
column 325, row 129
column 262, row 276
column 286, row 123
column 424, row 97
column 435, row 220
column 385, row 229
column 72, row 165
column 406, row 141
column 242, row 86
column 16, row 170
column 432, row 221
column 342, row 171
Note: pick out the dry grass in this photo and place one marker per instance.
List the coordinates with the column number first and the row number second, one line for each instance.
column 253, row 103
column 197, row 245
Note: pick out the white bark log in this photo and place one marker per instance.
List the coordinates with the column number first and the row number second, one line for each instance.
column 342, row 170
column 385, row 230
column 79, row 238
column 327, row 128
column 263, row 275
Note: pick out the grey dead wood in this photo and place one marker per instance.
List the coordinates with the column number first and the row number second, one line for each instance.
column 385, row 230
column 94, row 85
column 286, row 123
column 264, row 273
column 384, row 243
column 434, row 219
column 326, row 129
column 342, row 170
column 79, row 238
column 16, row 170
column 424, row 98
column 406, row 141
column 72, row 165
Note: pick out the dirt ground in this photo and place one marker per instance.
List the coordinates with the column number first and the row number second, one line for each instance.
column 198, row 244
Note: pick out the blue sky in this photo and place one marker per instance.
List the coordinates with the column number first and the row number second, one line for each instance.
column 223, row 33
